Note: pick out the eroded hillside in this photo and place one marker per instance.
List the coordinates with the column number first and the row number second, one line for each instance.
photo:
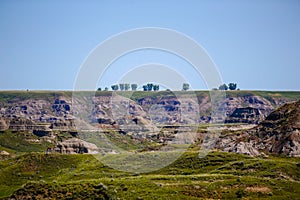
column 279, row 133
column 53, row 110
column 140, row 117
column 32, row 122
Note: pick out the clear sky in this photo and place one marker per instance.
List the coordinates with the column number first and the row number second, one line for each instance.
column 253, row 43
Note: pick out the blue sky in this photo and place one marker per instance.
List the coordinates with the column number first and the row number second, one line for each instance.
column 253, row 43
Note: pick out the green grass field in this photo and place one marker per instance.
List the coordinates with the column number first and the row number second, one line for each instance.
column 20, row 142
column 219, row 175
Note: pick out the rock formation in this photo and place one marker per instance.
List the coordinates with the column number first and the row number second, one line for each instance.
column 245, row 115
column 75, row 146
column 59, row 113
column 47, row 114
column 279, row 133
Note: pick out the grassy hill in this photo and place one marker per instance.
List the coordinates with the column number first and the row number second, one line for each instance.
column 218, row 175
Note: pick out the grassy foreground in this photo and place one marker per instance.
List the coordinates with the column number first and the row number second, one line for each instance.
column 219, row 175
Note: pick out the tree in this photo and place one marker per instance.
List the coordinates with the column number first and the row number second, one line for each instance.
column 114, row 87
column 149, row 86
column 145, row 88
column 185, row 86
column 223, row 87
column 134, row 87
column 122, row 86
column 232, row 86
column 106, row 88
column 99, row 89
column 126, row 86
column 155, row 87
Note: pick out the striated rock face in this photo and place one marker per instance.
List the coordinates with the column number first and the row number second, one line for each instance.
column 36, row 115
column 143, row 114
column 44, row 115
column 75, row 146
column 245, row 115
column 21, row 124
column 239, row 109
column 238, row 143
column 172, row 110
column 243, row 148
column 121, row 113
column 279, row 133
